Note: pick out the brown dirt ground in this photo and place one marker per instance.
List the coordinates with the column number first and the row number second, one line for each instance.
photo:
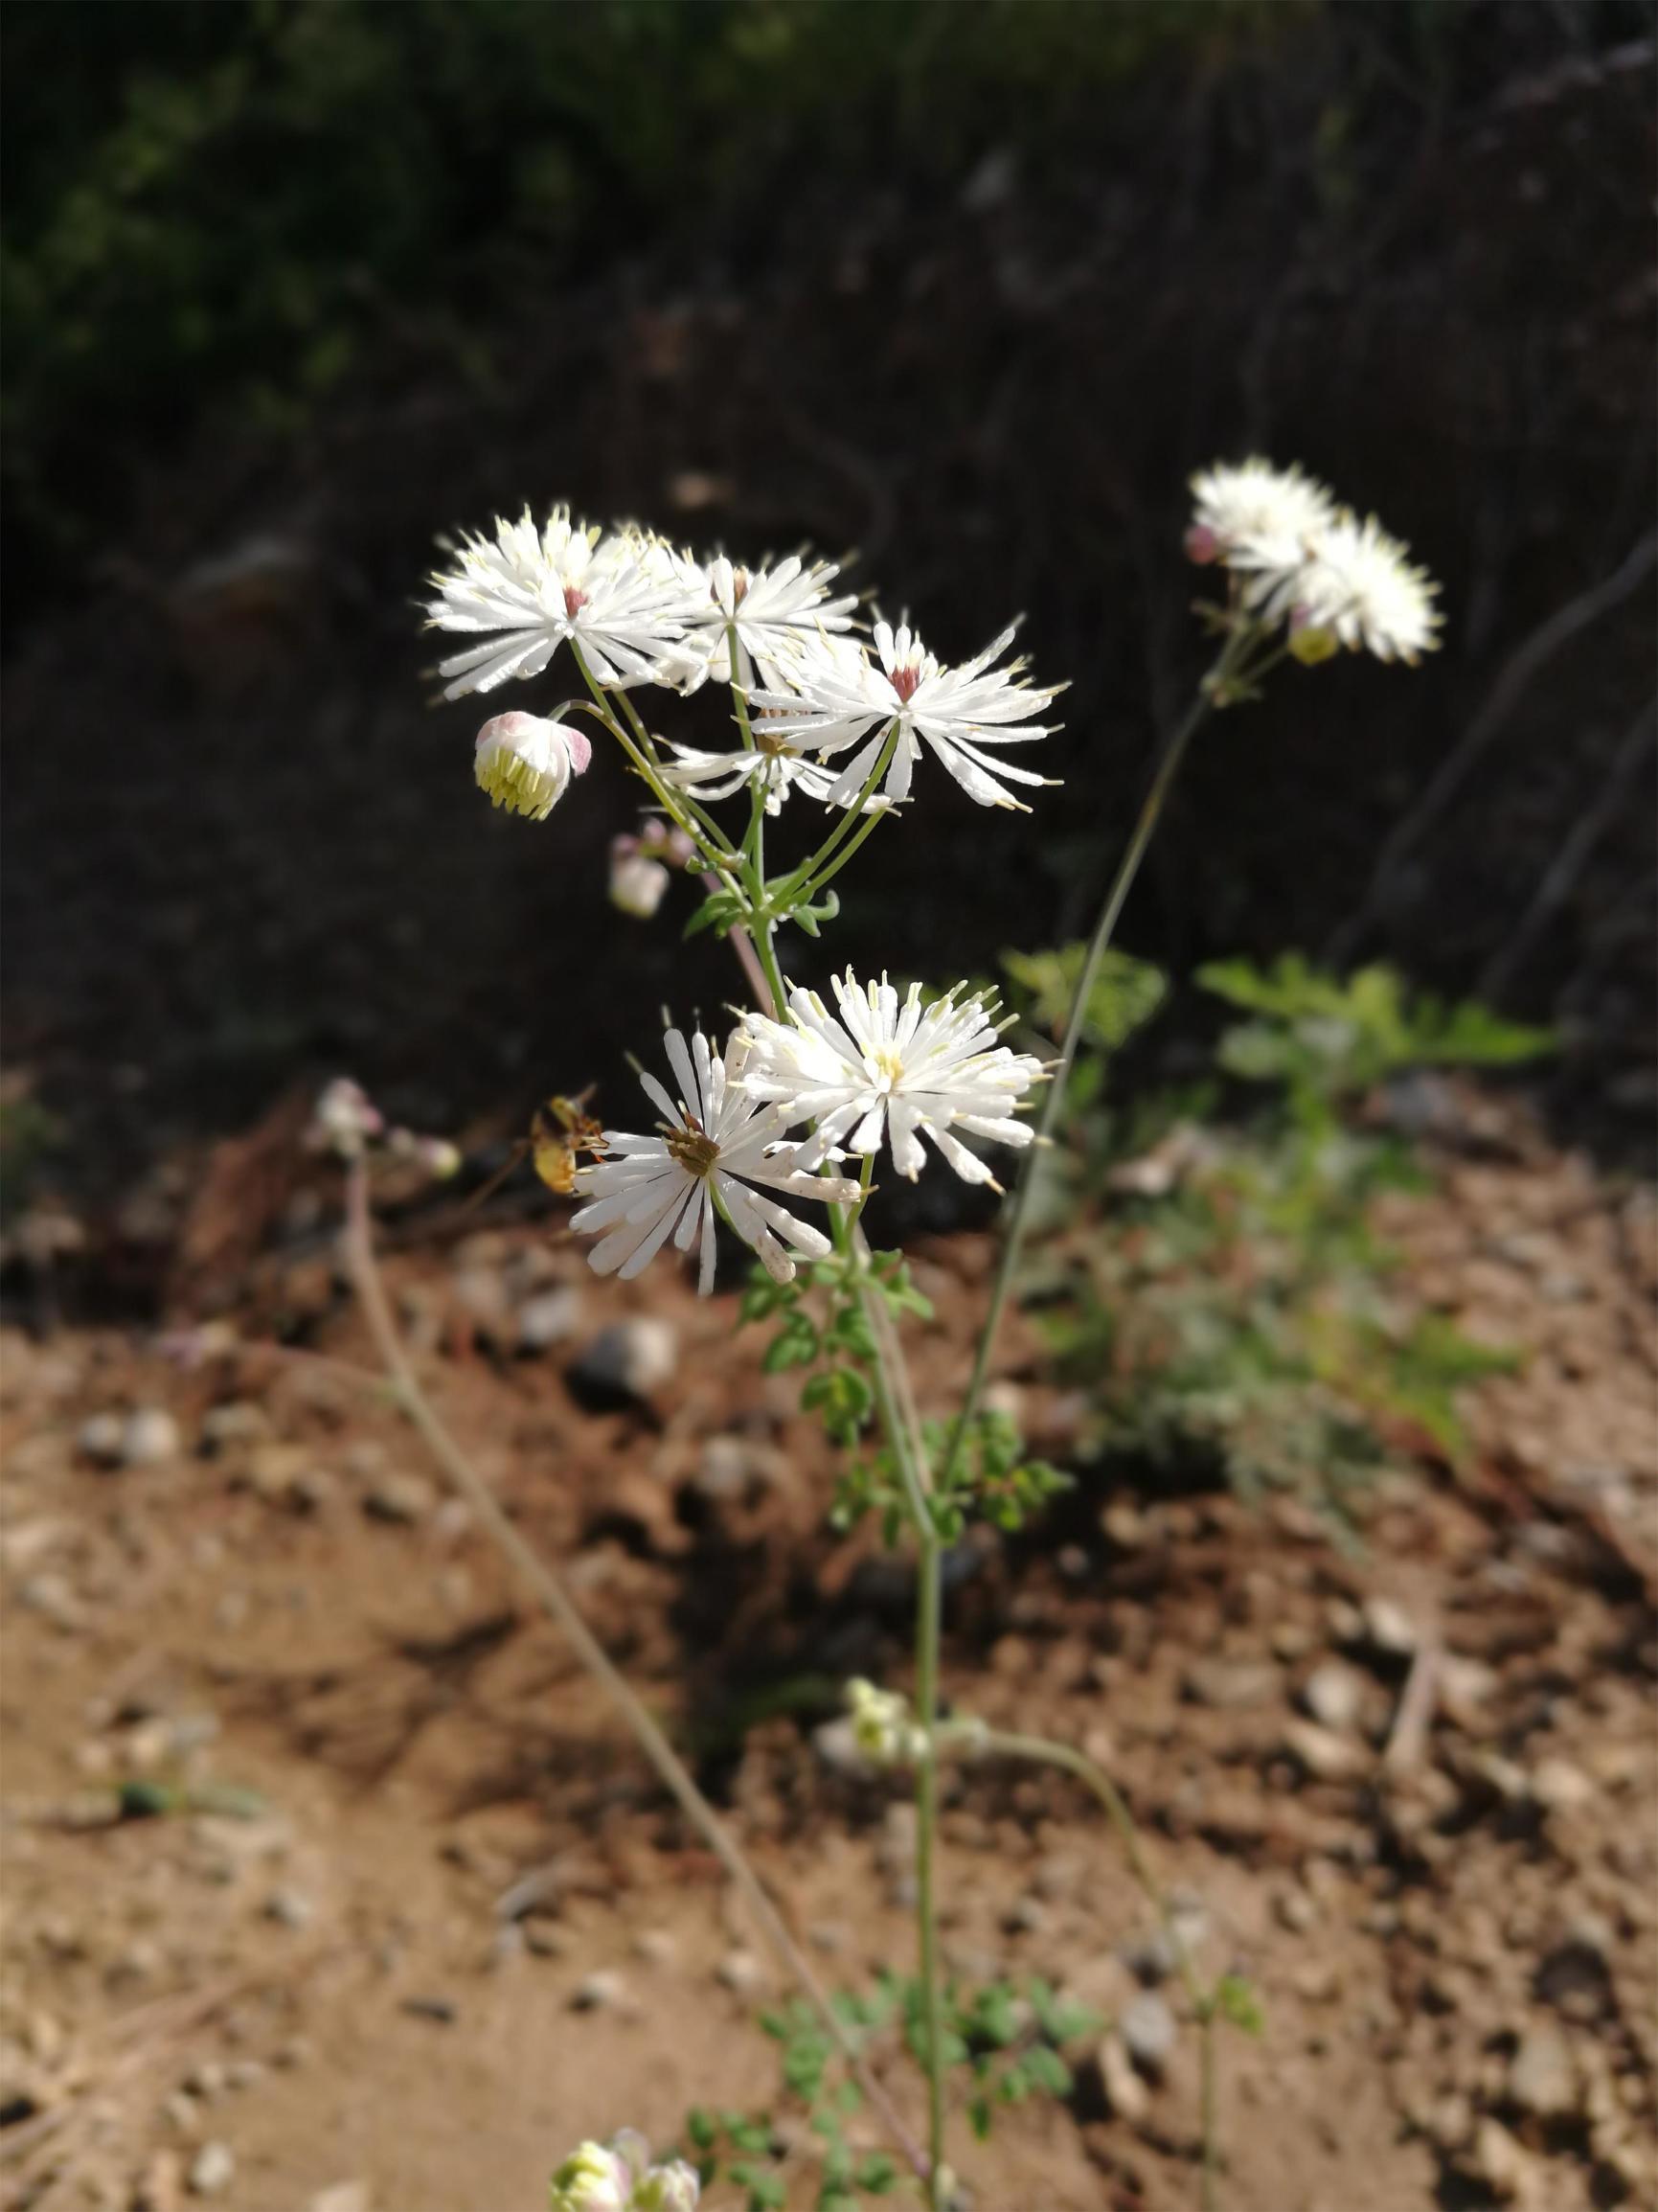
column 337, row 1991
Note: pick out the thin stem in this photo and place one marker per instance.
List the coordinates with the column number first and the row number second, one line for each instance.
column 929, row 1614
column 743, row 944
column 1122, row 883
column 906, row 1451
column 826, row 875
column 670, row 1770
column 679, row 806
column 814, row 870
column 774, row 990
column 1041, row 1751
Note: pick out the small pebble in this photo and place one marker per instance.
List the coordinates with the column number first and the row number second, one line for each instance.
column 1325, row 1755
column 1296, row 1910
column 549, row 1317
column 1389, row 1629
column 1148, row 2030
column 290, row 1908
column 741, row 1972
column 101, row 1439
column 237, row 1421
column 401, row 1499
column 1333, row 1695
column 1559, row 1787
column 341, row 2196
column 599, row 1992
column 1231, row 1685
column 1125, row 2092
column 147, row 1436
column 212, row 2169
column 1543, row 2074
column 628, row 1359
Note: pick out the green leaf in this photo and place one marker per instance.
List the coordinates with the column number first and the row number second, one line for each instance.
column 1237, row 2000
column 720, row 911
column 1125, row 993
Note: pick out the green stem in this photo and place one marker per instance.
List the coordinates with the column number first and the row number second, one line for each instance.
column 814, row 870
column 680, row 806
column 929, row 1613
column 826, row 874
column 1040, row 1750
column 929, row 1616
column 1122, row 883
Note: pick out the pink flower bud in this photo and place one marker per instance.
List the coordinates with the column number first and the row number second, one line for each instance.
column 637, row 883
column 1202, row 545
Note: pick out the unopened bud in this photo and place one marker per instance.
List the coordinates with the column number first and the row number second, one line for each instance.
column 671, row 2188
column 344, row 1121
column 1202, row 545
column 882, row 1728
column 638, row 884
column 666, row 841
column 525, row 763
column 591, row 2179
column 1310, row 642
column 436, row 1156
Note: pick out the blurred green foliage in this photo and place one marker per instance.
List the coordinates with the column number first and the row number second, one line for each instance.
column 1236, row 1307
column 216, row 204
column 1327, row 1039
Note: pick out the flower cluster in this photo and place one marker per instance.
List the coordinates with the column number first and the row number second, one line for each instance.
column 887, row 1733
column 885, row 1068
column 1304, row 560
column 619, row 2176
column 636, row 610
column 883, row 1727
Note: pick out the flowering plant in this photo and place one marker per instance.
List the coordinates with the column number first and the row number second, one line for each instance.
column 792, row 1111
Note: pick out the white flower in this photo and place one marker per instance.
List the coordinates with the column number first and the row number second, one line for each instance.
column 1255, row 518
column 714, row 1143
column 777, row 764
column 525, row 763
column 904, row 1070
column 772, row 611
column 1358, row 586
column 535, row 588
column 836, row 695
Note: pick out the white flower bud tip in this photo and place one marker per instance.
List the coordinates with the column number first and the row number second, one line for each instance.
column 591, row 2179
column 525, row 763
column 344, row 1120
column 619, row 2176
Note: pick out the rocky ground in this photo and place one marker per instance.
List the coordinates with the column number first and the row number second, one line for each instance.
column 332, row 1883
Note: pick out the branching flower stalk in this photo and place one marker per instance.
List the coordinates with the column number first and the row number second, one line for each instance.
column 549, row 1588
column 801, row 1091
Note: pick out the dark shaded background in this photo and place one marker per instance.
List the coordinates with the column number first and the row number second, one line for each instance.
column 969, row 288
